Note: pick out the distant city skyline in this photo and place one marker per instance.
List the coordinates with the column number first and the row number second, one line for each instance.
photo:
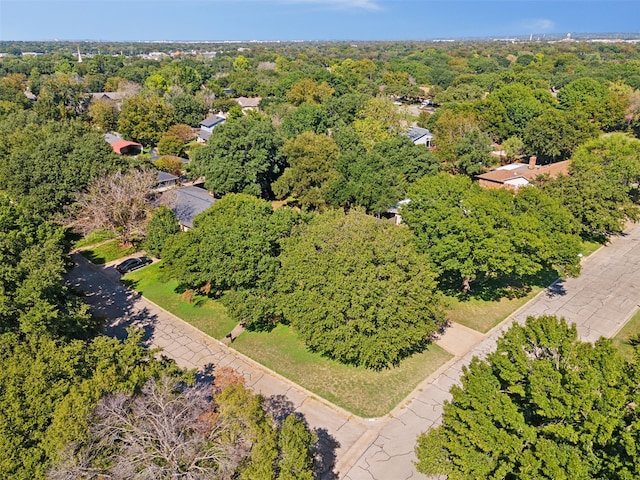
column 287, row 20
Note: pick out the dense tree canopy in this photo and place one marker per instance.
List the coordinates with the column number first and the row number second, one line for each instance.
column 543, row 405
column 233, row 247
column 44, row 165
column 602, row 184
column 472, row 234
column 356, row 290
column 312, row 160
column 242, row 156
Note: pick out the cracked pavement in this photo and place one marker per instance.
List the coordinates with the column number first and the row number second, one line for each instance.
column 599, row 302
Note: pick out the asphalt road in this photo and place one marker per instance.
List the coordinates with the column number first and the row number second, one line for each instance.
column 600, row 301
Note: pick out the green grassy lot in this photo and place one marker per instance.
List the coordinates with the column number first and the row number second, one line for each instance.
column 107, row 252
column 203, row 313
column 629, row 331
column 361, row 391
column 364, row 392
column 483, row 315
column 93, row 238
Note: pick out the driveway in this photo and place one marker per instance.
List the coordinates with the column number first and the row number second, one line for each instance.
column 599, row 302
column 337, row 429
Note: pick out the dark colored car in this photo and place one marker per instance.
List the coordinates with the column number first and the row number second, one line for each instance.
column 132, row 264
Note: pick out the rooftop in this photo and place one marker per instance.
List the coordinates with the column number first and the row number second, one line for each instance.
column 187, row 202
column 519, row 174
column 416, row 133
column 212, row 121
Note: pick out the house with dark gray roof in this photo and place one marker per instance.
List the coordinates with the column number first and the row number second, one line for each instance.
column 207, row 126
column 165, row 181
column 420, row 136
column 186, row 203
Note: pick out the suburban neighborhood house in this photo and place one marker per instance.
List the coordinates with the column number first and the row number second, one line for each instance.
column 207, row 126
column 518, row 175
column 166, row 181
column 420, row 136
column 186, row 203
column 109, row 96
column 248, row 103
column 122, row 146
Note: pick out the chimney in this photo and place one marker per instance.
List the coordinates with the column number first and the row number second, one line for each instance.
column 532, row 162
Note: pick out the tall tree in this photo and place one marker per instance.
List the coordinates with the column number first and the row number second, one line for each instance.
column 162, row 225
column 473, row 234
column 233, row 248
column 543, row 405
column 356, row 290
column 144, row 120
column 241, row 156
column 118, row 202
column 312, row 159
column 601, row 185
column 44, row 165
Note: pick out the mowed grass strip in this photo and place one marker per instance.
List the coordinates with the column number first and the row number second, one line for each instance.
column 107, row 252
column 364, row 392
column 483, row 315
column 623, row 339
column 205, row 314
column 97, row 236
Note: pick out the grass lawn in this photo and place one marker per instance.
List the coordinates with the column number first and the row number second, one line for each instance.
column 204, row 313
column 630, row 330
column 107, row 252
column 364, row 392
column 483, row 315
column 97, row 236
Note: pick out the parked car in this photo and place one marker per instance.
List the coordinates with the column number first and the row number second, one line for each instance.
column 132, row 264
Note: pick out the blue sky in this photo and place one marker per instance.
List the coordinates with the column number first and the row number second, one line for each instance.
column 309, row 19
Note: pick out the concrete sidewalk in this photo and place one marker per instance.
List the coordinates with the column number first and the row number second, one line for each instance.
column 190, row 348
column 599, row 302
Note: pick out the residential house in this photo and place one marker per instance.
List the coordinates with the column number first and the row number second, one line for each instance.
column 420, row 136
column 109, row 96
column 516, row 175
column 248, row 103
column 393, row 213
column 186, row 203
column 122, row 146
column 207, row 126
column 166, row 181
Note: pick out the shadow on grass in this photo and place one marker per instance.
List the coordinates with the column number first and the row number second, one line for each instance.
column 496, row 288
column 94, row 257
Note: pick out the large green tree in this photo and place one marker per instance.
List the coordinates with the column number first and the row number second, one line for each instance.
column 602, row 184
column 312, row 159
column 242, row 156
column 233, row 248
column 44, row 165
column 357, row 291
column 378, row 179
column 472, row 234
column 543, row 405
column 145, row 119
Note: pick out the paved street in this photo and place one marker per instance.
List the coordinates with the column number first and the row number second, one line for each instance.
column 600, row 301
column 190, row 348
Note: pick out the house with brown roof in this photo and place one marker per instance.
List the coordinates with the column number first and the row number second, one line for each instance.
column 516, row 175
column 248, row 103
